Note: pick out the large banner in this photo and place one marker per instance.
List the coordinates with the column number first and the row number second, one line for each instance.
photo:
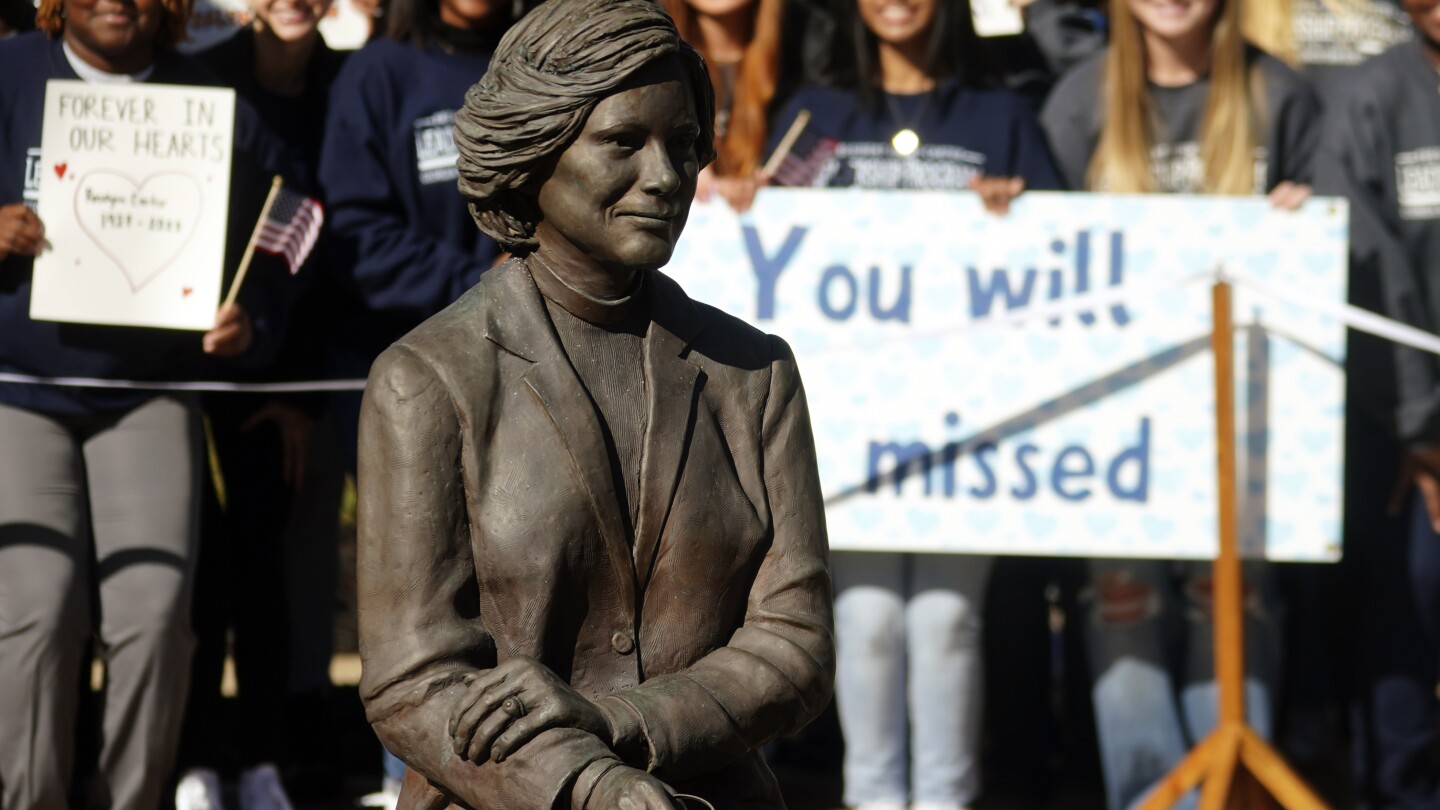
column 134, row 194
column 1042, row 383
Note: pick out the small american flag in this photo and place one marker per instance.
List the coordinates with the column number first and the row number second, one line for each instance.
column 801, row 155
column 291, row 227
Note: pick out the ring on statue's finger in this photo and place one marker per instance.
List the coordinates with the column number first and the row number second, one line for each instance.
column 513, row 706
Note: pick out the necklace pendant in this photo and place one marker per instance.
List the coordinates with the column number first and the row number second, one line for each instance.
column 905, row 142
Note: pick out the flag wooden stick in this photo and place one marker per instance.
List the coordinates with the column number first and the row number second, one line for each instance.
column 250, row 248
column 787, row 143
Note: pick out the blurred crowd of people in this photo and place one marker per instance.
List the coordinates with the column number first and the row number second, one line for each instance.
column 118, row 537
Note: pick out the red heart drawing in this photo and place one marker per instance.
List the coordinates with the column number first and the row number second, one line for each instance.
column 185, row 291
column 60, row 169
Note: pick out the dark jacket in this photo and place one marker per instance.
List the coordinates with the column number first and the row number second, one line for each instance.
column 1384, row 155
column 299, row 123
column 489, row 527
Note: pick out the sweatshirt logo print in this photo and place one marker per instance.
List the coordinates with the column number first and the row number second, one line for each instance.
column 435, row 152
column 935, row 167
column 30, row 189
column 1417, row 181
column 1179, row 168
column 1343, row 34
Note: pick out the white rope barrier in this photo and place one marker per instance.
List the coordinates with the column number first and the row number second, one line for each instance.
column 1356, row 318
column 301, row 386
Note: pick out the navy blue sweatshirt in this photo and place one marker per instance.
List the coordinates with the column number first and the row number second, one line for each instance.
column 964, row 132
column 1383, row 153
column 46, row 348
column 405, row 245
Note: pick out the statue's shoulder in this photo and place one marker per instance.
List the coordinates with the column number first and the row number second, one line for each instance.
column 732, row 344
column 451, row 347
column 459, row 327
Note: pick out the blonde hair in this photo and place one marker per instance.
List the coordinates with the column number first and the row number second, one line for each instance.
column 1229, row 131
column 739, row 149
column 50, row 18
column 1270, row 24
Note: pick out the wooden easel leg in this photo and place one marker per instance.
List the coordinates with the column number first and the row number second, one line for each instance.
column 1250, row 793
column 1275, row 776
column 1219, row 780
column 1184, row 777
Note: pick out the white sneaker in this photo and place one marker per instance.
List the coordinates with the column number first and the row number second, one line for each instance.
column 260, row 789
column 385, row 798
column 881, row 806
column 199, row 789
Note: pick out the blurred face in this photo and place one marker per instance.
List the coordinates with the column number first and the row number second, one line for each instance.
column 902, row 23
column 1174, row 19
column 117, row 36
column 620, row 194
column 290, row 20
column 1426, row 14
column 720, row 8
column 473, row 14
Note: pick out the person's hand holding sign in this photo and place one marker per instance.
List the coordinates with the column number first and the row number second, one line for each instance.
column 232, row 333
column 1419, row 471
column 996, row 193
column 21, row 232
column 1289, row 196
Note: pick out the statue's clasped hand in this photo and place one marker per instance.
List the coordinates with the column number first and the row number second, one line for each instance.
column 624, row 788
column 508, row 706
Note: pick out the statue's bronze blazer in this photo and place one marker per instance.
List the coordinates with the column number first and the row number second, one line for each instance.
column 489, row 528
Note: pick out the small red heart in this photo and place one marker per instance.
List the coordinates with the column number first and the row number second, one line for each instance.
column 60, row 169
column 185, row 291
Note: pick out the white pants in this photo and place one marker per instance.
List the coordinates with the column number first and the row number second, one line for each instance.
column 909, row 674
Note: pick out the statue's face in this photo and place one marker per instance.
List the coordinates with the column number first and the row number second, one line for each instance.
column 621, row 192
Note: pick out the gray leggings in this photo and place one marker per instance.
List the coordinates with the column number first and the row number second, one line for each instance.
column 98, row 526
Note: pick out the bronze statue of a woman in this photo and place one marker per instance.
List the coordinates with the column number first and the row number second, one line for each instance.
column 592, row 544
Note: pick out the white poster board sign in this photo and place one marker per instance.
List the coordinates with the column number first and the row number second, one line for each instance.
column 134, row 194
column 948, row 416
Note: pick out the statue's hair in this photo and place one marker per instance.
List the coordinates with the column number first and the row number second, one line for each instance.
column 548, row 73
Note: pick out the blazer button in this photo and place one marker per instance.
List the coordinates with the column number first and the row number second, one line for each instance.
column 622, row 642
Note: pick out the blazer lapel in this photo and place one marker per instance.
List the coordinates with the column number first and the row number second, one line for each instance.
column 519, row 323
column 673, row 385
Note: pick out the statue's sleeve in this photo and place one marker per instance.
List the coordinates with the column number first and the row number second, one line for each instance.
column 777, row 672
column 420, row 631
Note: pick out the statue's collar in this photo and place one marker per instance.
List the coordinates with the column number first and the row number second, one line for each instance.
column 518, row 322
column 599, row 311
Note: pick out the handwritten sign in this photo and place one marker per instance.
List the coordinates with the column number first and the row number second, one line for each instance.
column 962, row 403
column 134, row 190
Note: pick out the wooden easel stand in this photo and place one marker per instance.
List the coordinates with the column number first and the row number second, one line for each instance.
column 1237, row 768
